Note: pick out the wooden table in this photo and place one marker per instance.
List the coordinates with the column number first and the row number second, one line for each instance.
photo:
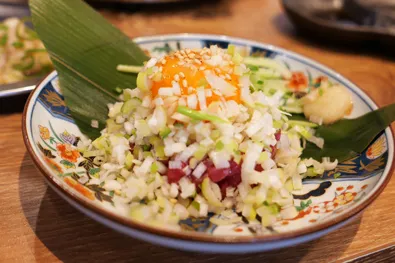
column 37, row 225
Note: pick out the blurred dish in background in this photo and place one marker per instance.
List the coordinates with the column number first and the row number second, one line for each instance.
column 135, row 1
column 345, row 21
column 104, row 1
column 22, row 55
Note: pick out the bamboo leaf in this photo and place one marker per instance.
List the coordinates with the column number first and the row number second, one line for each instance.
column 85, row 50
column 349, row 137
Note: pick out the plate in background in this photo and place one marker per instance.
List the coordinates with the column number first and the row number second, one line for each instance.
column 345, row 21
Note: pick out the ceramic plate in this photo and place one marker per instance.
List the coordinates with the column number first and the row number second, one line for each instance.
column 324, row 204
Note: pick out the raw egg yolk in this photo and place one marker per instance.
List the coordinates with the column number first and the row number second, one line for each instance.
column 188, row 71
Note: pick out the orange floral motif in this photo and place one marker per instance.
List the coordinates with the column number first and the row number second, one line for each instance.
column 44, row 132
column 303, row 213
column 330, row 206
column 67, row 153
column 54, row 165
column 325, row 207
column 345, row 198
column 238, row 229
column 79, row 188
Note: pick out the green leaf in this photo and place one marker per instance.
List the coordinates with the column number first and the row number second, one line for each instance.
column 85, row 49
column 3, row 40
column 67, row 164
column 18, row 44
column 26, row 63
column 303, row 205
column 93, row 171
column 348, row 138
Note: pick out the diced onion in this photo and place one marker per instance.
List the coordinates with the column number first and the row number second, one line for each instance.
column 199, row 170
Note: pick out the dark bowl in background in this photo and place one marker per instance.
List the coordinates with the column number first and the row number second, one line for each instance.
column 345, row 22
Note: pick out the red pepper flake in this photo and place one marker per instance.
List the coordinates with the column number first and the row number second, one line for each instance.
column 277, row 135
column 298, row 81
column 320, row 79
column 273, row 151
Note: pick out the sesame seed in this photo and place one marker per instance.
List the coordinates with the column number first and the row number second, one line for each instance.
column 179, row 56
column 184, row 83
column 202, row 68
column 197, row 61
column 183, row 52
column 163, row 61
column 187, row 60
column 227, row 76
column 217, row 70
column 230, row 71
column 190, row 90
column 181, row 62
column 206, row 57
column 176, row 77
column 188, row 50
column 191, row 55
column 194, row 68
column 182, row 75
column 222, row 76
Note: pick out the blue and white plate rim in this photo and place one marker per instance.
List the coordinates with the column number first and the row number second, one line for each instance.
column 239, row 41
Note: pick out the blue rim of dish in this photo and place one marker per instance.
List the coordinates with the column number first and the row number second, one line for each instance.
column 203, row 237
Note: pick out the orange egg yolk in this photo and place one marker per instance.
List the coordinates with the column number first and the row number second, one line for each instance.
column 190, row 76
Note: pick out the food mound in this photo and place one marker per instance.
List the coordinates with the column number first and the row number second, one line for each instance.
column 208, row 131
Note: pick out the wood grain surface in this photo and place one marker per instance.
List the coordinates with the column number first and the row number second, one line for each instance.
column 36, row 225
